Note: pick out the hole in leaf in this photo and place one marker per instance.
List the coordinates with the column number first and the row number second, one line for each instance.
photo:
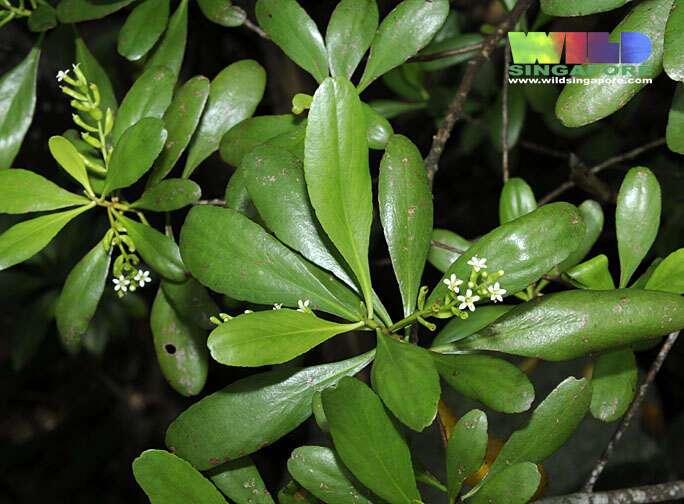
column 170, row 348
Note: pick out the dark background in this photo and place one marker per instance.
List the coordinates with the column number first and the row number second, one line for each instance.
column 70, row 425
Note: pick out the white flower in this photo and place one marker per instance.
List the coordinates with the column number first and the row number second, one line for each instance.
column 468, row 301
column 452, row 283
column 75, row 66
column 61, row 75
column 496, row 292
column 303, row 306
column 121, row 283
column 477, row 263
column 277, row 306
column 142, row 278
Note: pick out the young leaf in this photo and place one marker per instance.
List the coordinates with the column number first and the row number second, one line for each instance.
column 23, row 191
column 614, row 381
column 405, row 377
column 158, row 250
column 569, row 324
column 181, row 348
column 171, row 49
column 592, row 274
column 142, row 29
column 378, row 129
column 222, row 12
column 465, row 449
column 458, row 328
column 517, row 199
column 240, row 481
column 369, row 443
column 338, row 176
column 75, row 11
column 270, row 337
column 233, row 96
column 515, row 484
column 180, row 120
column 349, row 35
column 566, row 8
column 668, row 276
column 321, row 472
column 81, row 294
column 406, row 212
column 592, row 215
column 441, row 257
column 168, row 479
column 68, row 158
column 304, row 45
column 637, row 219
column 496, row 383
column 255, row 411
column 17, row 103
column 42, row 18
column 168, row 195
column 673, row 59
column 29, row 237
column 674, row 134
column 404, row 32
column 192, row 301
column 94, row 72
column 149, row 96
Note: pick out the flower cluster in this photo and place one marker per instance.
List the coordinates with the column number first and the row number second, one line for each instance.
column 131, row 282
column 480, row 284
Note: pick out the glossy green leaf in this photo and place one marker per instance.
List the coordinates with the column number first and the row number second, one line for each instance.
column 390, row 109
column 149, row 96
column 338, row 176
column 673, row 58
column 515, row 484
column 541, row 97
column 440, row 256
column 42, row 18
column 640, row 283
column 369, row 442
column 379, row 129
column 466, row 449
column 24, row 191
column 580, row 103
column 668, row 276
column 75, row 11
column 516, row 117
column 180, row 120
column 17, row 103
column 168, row 479
column 592, row 215
column 27, row 238
column 303, row 45
column 180, row 347
column 241, row 482
column 349, row 35
column 525, row 249
column 569, row 324
column 192, row 301
column 674, row 134
column 142, row 28
column 458, row 328
column 168, row 195
column 68, row 158
column 233, row 96
column 592, row 274
column 171, row 49
column 254, row 411
column 517, row 199
column 637, row 219
column 614, row 381
column 94, row 72
column 319, row 413
column 579, row 7
column 320, row 471
column 407, row 81
column 406, row 212
column 293, row 493
column 222, row 12
column 405, row 31
column 81, row 294
column 237, row 249
column 456, row 42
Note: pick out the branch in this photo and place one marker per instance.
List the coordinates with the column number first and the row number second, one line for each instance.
column 446, row 53
column 444, row 246
column 504, row 115
column 256, row 29
column 215, row 202
column 651, row 493
column 652, row 372
column 444, row 132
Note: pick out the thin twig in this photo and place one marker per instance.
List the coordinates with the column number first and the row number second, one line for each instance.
column 504, row 115
column 638, row 495
column 542, row 149
column 447, row 53
column 444, row 246
column 655, row 367
column 444, row 132
column 256, row 29
column 215, row 202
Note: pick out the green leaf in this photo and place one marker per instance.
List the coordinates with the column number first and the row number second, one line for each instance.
column 149, row 96
column 637, row 219
column 171, row 49
column 321, row 472
column 517, row 199
column 494, row 382
column 673, row 59
column 458, row 328
column 304, row 45
column 369, row 443
column 579, row 7
column 180, row 120
column 168, row 195
column 440, row 257
column 240, row 259
column 143, row 27
column 466, row 449
column 614, row 381
column 241, row 482
column 180, row 346
column 408, row 81
column 94, row 72
column 338, row 176
column 513, row 485
column 580, row 103
column 319, row 413
column 168, row 479
column 640, row 283
column 379, row 130
column 254, row 411
column 192, row 302
column 406, row 212
column 293, row 493
column 592, row 215
column 541, row 97
column 270, row 337
column 674, row 134
column 405, row 31
column 75, row 11
column 157, row 250
column 668, row 276
column 27, row 238
column 222, row 12
column 23, row 191
column 68, row 158
column 17, row 103
column 349, row 35
column 592, row 274
column 233, row 96
column 42, row 18
column 81, row 294
column 389, row 109
column 569, row 324
column 456, row 42
column 525, row 249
